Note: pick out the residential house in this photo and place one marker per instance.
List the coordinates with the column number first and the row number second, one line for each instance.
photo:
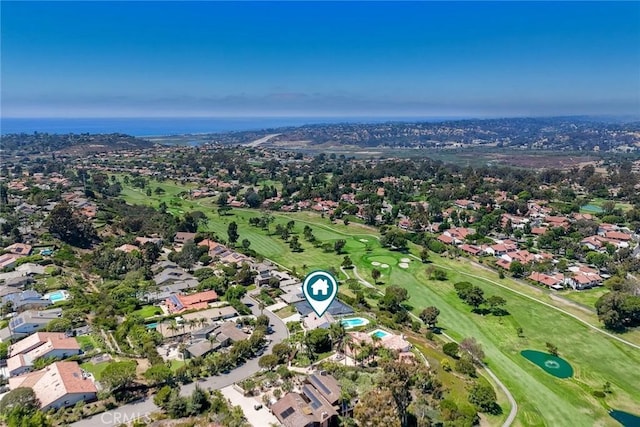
column 127, row 248
column 8, row 260
column 178, row 303
column 59, row 385
column 21, row 249
column 26, row 299
column 230, row 333
column 31, row 269
column 39, row 345
column 555, row 281
column 30, row 321
column 471, row 249
column 312, row 321
column 202, row 348
column 306, row 409
column 182, row 237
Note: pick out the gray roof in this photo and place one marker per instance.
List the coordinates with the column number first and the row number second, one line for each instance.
column 170, row 275
column 201, row 348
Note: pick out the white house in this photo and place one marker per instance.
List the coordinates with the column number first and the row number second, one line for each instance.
column 56, row 345
column 59, row 385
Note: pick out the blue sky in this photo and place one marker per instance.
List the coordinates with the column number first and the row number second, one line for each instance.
column 143, row 59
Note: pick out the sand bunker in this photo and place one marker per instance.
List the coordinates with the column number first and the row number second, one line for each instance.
column 403, row 265
column 375, row 263
column 364, row 240
column 405, row 260
column 384, row 265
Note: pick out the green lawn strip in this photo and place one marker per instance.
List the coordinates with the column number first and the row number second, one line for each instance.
column 587, row 297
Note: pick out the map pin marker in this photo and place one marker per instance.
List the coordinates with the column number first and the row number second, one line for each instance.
column 320, row 289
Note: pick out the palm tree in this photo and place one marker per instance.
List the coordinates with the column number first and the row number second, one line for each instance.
column 347, row 342
column 173, row 327
column 376, row 344
column 337, row 333
column 203, row 322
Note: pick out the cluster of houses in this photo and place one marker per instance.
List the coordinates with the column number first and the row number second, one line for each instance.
column 60, row 384
column 507, row 250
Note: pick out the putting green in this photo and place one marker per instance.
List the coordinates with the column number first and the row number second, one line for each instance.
column 553, row 365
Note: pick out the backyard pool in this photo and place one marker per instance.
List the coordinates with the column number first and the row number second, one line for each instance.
column 354, row 322
column 379, row 333
column 57, row 296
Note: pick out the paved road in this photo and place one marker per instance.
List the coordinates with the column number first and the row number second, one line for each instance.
column 142, row 409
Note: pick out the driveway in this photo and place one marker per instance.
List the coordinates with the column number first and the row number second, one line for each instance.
column 259, row 417
column 133, row 411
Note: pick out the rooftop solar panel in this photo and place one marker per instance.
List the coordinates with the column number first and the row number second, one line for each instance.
column 315, row 402
column 319, row 384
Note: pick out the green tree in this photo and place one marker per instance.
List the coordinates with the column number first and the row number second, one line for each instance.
column 20, row 397
column 346, row 262
column 430, row 316
column 451, row 349
column 496, row 304
column 161, row 398
column 393, row 298
column 118, row 375
column 319, row 340
column 232, row 232
column 424, row 255
column 552, row 349
column 484, row 398
column 159, row 374
column 70, row 227
column 517, row 269
column 375, row 275
column 269, row 361
column 475, row 297
column 338, row 245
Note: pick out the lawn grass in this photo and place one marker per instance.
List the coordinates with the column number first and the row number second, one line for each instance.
column 87, row 342
column 177, row 364
column 588, row 297
column 95, row 368
column 286, row 312
column 542, row 399
column 147, row 311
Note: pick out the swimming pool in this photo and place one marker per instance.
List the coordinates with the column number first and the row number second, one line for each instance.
column 379, row 333
column 354, row 322
column 152, row 325
column 57, row 296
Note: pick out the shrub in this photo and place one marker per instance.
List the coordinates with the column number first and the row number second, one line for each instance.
column 451, row 349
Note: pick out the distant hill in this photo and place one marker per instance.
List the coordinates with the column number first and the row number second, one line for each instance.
column 572, row 133
column 71, row 143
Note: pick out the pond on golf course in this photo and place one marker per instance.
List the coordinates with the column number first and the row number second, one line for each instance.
column 556, row 366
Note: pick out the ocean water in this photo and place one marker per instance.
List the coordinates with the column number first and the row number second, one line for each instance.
column 173, row 126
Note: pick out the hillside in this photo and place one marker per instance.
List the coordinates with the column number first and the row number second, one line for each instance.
column 38, row 143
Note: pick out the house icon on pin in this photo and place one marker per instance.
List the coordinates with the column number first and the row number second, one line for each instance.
column 320, row 287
